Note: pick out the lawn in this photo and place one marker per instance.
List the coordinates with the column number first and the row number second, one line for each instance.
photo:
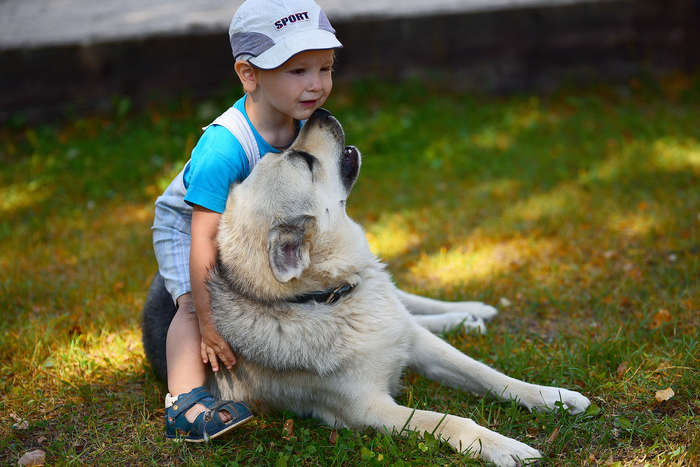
column 576, row 213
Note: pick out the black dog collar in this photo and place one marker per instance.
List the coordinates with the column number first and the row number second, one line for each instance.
column 327, row 297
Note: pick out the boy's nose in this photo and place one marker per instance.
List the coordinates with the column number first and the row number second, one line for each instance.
column 314, row 83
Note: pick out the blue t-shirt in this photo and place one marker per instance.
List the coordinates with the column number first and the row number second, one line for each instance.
column 218, row 160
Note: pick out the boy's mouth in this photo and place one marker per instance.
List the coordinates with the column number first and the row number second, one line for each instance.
column 309, row 103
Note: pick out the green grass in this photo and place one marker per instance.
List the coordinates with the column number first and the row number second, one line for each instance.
column 581, row 208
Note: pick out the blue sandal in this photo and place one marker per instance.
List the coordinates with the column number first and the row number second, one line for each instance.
column 208, row 424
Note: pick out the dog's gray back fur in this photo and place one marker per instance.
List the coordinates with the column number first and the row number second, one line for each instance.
column 158, row 312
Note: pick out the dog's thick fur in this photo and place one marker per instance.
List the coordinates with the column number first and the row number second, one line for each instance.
column 285, row 234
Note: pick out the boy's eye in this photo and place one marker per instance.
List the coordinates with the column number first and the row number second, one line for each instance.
column 297, row 71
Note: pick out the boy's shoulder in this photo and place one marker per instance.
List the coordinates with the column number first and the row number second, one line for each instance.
column 218, row 139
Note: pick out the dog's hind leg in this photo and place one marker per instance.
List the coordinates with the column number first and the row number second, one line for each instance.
column 418, row 305
column 438, row 360
column 463, row 434
column 444, row 322
column 439, row 316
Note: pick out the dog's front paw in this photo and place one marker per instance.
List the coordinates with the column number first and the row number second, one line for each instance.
column 475, row 309
column 550, row 398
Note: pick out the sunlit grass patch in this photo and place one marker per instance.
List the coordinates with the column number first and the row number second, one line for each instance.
column 18, row 196
column 632, row 224
column 475, row 261
column 672, row 154
column 564, row 203
column 391, row 236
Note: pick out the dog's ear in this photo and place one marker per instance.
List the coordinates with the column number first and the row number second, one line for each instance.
column 288, row 247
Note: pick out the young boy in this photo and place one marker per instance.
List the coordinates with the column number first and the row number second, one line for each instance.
column 283, row 52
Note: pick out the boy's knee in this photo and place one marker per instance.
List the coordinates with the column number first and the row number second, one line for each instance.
column 184, row 318
column 185, row 303
column 185, row 310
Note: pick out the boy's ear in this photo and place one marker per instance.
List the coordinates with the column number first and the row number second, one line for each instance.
column 246, row 73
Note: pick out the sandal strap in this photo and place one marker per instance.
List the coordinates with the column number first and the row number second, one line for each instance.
column 208, row 423
column 185, row 401
column 228, row 406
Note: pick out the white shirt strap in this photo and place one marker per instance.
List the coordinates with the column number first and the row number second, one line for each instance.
column 235, row 122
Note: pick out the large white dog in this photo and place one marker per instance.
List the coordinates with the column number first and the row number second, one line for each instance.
column 316, row 321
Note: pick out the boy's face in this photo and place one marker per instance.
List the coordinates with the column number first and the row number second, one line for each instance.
column 300, row 86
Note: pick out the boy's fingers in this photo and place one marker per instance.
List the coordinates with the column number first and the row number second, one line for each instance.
column 224, row 352
column 203, row 352
column 212, row 359
column 228, row 358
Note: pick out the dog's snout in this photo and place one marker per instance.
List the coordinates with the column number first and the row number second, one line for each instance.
column 324, row 119
column 320, row 114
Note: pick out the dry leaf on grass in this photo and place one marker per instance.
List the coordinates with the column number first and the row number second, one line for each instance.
column 288, row 429
column 553, row 436
column 661, row 317
column 504, row 302
column 622, row 369
column 625, row 302
column 35, row 457
column 664, row 394
column 333, row 438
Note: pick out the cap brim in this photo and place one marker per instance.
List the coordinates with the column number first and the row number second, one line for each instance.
column 277, row 55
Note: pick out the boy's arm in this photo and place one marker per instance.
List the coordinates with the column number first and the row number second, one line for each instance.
column 205, row 224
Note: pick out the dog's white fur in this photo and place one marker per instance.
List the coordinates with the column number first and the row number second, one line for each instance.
column 285, row 233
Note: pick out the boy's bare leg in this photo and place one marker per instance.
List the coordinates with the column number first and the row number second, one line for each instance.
column 186, row 370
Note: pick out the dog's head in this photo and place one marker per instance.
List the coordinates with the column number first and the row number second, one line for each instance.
column 291, row 209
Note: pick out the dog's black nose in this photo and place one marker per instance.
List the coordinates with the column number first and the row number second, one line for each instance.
column 349, row 166
column 351, row 152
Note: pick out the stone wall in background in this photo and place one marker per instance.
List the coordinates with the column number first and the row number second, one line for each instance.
column 525, row 49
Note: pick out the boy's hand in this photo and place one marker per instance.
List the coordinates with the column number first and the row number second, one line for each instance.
column 215, row 348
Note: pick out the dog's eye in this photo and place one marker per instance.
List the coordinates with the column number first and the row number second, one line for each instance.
column 308, row 158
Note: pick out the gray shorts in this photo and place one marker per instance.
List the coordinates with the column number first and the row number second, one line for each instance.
column 172, row 237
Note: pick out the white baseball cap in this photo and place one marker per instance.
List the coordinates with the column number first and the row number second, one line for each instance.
column 269, row 32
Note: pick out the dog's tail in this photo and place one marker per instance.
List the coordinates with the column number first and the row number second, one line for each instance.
column 158, row 312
